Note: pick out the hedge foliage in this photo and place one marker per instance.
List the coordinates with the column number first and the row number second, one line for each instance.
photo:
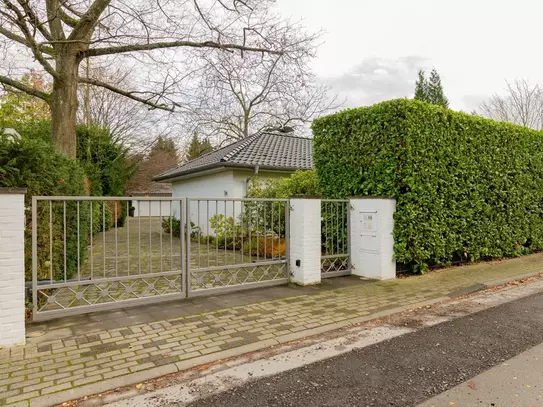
column 465, row 186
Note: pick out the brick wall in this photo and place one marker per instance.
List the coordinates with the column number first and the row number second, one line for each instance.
column 305, row 241
column 12, row 300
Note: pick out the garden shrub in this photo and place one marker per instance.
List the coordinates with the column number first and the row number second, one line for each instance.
column 300, row 183
column 465, row 186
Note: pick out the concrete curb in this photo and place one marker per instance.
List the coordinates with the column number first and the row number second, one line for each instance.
column 504, row 281
column 153, row 373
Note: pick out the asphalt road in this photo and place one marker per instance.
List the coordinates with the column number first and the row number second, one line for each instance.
column 403, row 371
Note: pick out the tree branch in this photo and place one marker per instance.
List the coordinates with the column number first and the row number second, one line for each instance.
column 34, row 19
column 124, row 93
column 13, row 36
column 25, row 88
column 67, row 19
column 55, row 23
column 31, row 43
column 88, row 21
column 173, row 44
column 21, row 40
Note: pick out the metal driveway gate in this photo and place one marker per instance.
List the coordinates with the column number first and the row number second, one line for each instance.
column 236, row 244
column 335, row 234
column 88, row 256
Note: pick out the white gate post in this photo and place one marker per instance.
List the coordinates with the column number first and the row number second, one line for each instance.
column 12, row 268
column 371, row 241
column 305, row 241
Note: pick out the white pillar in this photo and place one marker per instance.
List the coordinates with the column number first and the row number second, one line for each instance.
column 12, row 268
column 305, row 241
column 372, row 240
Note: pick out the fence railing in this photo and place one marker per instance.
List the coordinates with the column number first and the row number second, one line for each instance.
column 236, row 242
column 335, row 257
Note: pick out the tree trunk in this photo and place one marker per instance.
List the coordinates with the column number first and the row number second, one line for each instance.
column 64, row 102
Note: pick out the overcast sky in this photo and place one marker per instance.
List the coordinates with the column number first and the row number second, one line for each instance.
column 373, row 48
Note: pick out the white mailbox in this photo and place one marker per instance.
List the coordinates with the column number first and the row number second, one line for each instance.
column 368, row 231
column 371, row 238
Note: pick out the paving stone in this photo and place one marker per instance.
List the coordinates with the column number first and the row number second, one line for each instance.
column 23, row 383
column 116, row 373
column 44, row 348
column 154, row 344
column 10, row 393
column 38, row 386
column 87, row 380
column 23, row 396
column 58, row 387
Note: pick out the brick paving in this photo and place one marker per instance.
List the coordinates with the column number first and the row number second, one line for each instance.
column 40, row 368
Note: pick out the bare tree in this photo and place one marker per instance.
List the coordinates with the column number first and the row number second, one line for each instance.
column 129, row 122
column 156, row 38
column 240, row 96
column 522, row 104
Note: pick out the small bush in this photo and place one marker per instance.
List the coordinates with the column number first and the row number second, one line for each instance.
column 465, row 186
column 173, row 224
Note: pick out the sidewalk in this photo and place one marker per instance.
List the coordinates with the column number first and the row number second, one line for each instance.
column 515, row 382
column 49, row 371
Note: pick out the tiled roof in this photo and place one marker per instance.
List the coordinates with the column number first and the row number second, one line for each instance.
column 267, row 151
column 158, row 188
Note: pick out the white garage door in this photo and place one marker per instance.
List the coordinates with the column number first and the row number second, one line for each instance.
column 151, row 208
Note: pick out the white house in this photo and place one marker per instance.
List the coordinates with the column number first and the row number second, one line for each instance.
column 226, row 173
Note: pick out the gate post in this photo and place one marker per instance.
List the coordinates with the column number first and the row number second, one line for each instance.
column 371, row 237
column 305, row 241
column 12, row 268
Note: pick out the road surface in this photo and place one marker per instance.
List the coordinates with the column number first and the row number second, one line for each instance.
column 406, row 370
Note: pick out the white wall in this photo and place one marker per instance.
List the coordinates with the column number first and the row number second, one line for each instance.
column 12, row 268
column 213, row 186
column 150, row 208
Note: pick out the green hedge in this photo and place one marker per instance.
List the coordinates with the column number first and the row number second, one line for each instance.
column 36, row 165
column 466, row 187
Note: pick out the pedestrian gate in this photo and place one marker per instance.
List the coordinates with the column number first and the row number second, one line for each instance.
column 335, row 235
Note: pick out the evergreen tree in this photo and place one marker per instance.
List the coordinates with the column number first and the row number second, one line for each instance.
column 164, row 145
column 431, row 90
column 421, row 87
column 198, row 147
column 435, row 90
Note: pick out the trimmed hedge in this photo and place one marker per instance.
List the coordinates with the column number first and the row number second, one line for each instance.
column 466, row 187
